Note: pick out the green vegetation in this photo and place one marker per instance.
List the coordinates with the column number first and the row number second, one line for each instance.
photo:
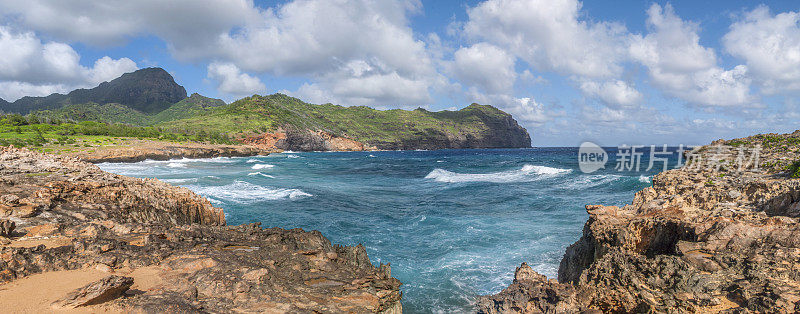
column 258, row 114
column 35, row 131
column 794, row 169
column 208, row 119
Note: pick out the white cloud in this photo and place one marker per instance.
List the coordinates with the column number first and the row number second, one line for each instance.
column 231, row 80
column 683, row 68
column 612, row 93
column 185, row 24
column 526, row 110
column 770, row 45
column 106, row 69
column 486, row 66
column 357, row 51
column 13, row 90
column 318, row 40
column 30, row 67
column 548, row 35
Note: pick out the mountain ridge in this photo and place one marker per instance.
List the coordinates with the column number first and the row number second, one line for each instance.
column 151, row 98
column 147, row 90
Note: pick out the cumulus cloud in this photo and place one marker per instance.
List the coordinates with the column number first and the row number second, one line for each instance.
column 613, row 93
column 185, row 24
column 486, row 66
column 549, row 35
column 231, row 80
column 316, row 39
column 526, row 110
column 770, row 45
column 358, row 51
column 683, row 68
column 30, row 67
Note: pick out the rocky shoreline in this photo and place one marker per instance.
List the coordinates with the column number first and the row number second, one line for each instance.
column 109, row 243
column 709, row 237
column 135, row 150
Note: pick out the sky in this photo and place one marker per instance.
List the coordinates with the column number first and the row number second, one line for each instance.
column 612, row 72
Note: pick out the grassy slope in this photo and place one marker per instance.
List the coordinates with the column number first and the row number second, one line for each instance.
column 116, row 113
column 267, row 113
column 198, row 116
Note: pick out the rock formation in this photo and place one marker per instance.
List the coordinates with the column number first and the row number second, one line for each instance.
column 709, row 237
column 72, row 217
column 134, row 150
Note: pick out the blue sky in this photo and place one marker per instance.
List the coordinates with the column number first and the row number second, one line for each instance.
column 614, row 72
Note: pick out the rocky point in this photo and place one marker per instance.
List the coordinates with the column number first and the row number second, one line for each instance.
column 712, row 236
column 121, row 244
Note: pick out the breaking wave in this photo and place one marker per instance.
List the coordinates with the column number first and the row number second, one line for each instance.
column 261, row 166
column 527, row 173
column 260, row 174
column 246, row 193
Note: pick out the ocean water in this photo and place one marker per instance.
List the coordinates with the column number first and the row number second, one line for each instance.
column 454, row 224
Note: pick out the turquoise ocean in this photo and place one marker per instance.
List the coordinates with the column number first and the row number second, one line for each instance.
column 454, row 224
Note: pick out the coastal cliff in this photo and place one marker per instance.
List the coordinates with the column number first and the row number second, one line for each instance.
column 107, row 243
column 288, row 123
column 709, row 237
column 148, row 103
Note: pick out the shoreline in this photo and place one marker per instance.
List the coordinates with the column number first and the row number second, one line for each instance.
column 160, row 247
column 709, row 237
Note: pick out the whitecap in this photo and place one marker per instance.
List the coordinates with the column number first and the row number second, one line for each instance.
column 292, row 156
column 527, row 173
column 644, row 179
column 588, row 181
column 371, row 156
column 184, row 180
column 252, row 161
column 261, row 166
column 260, row 174
column 246, row 193
column 176, row 165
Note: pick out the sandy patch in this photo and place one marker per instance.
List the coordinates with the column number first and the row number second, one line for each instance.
column 47, row 242
column 35, row 293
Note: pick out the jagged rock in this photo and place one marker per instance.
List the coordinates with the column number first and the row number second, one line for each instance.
column 139, row 150
column 117, row 224
column 97, row 292
column 6, row 227
column 698, row 240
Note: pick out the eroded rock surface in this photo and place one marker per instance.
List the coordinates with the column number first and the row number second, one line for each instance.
column 133, row 150
column 71, row 215
column 709, row 237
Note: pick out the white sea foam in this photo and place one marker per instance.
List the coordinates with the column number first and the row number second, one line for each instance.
column 260, row 174
column 527, row 173
column 371, row 156
column 644, row 179
column 292, row 156
column 184, row 180
column 588, row 181
column 176, row 165
column 246, row 193
column 252, row 161
column 261, row 166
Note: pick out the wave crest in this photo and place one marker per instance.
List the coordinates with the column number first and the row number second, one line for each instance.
column 527, row 173
column 262, row 166
column 246, row 193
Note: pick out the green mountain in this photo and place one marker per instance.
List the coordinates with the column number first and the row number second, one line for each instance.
column 191, row 106
column 147, row 90
column 151, row 98
column 117, row 113
column 476, row 126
